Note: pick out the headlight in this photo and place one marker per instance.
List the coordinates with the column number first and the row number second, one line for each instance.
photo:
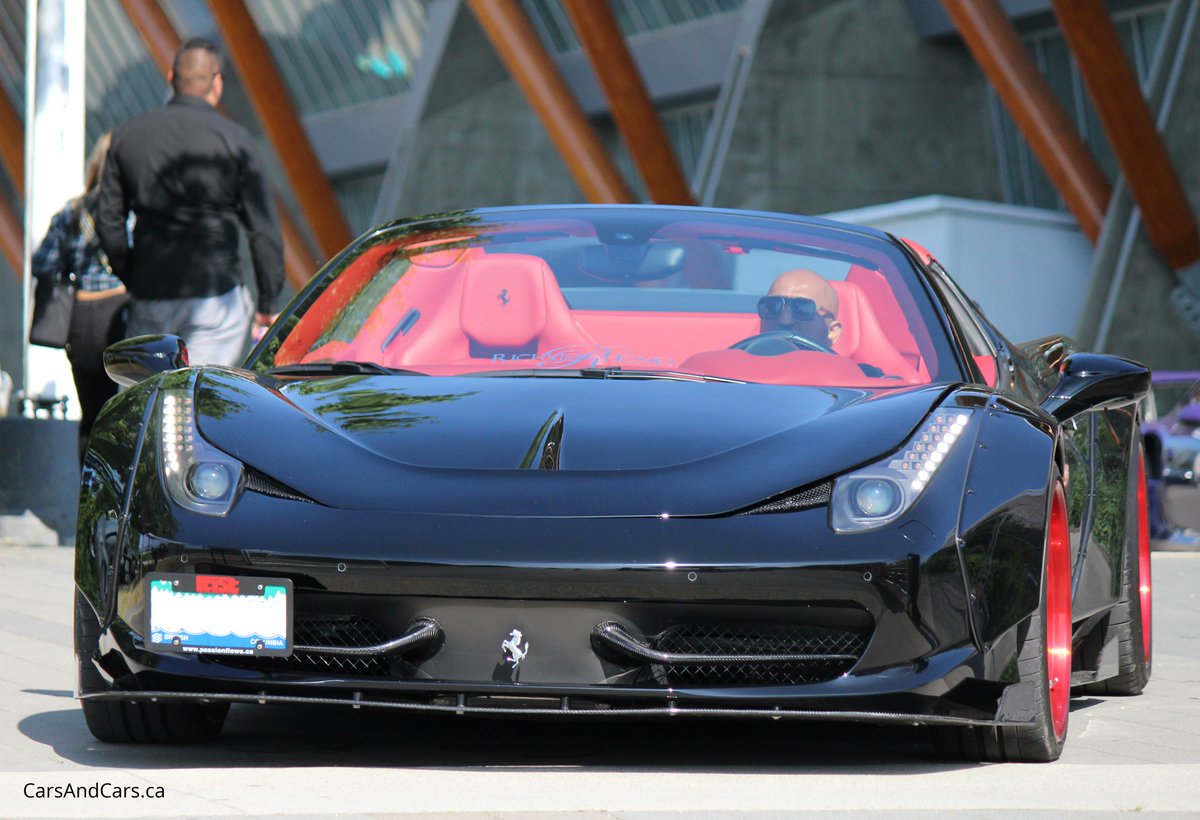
column 198, row 476
column 875, row 497
column 880, row 493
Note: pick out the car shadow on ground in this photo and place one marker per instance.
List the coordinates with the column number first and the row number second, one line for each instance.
column 290, row 736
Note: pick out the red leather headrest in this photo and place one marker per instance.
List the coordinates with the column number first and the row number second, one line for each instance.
column 862, row 338
column 504, row 299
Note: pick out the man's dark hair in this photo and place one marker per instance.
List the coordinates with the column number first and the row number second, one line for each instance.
column 197, row 63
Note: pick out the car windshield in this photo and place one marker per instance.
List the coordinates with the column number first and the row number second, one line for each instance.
column 623, row 292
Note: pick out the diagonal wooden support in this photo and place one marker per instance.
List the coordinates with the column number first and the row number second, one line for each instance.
column 1027, row 96
column 522, row 52
column 273, row 105
column 12, row 155
column 12, row 144
column 162, row 41
column 1139, row 148
column 12, row 239
column 629, row 101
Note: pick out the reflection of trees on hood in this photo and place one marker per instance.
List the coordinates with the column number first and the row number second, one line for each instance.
column 363, row 411
column 215, row 402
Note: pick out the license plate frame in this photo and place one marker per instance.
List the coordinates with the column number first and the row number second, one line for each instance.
column 206, row 613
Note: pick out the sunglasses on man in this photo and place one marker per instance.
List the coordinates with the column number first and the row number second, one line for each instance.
column 801, row 308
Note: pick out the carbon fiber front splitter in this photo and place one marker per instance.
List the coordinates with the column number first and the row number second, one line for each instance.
column 566, row 707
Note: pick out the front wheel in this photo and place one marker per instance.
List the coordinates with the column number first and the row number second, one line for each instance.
column 1044, row 663
column 114, row 721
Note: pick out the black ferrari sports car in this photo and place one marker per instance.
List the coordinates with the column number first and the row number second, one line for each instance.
column 626, row 461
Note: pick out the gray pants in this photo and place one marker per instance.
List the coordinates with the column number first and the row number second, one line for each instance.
column 216, row 329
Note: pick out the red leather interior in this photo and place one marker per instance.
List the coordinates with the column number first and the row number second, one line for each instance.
column 463, row 309
column 486, row 306
column 987, row 366
column 665, row 338
column 511, row 300
column 817, row 367
column 862, row 338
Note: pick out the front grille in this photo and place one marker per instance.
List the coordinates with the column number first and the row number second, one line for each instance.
column 804, row 499
column 719, row 640
column 262, row 483
column 325, row 630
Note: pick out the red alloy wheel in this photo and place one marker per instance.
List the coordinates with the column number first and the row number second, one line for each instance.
column 1058, row 613
column 1144, row 596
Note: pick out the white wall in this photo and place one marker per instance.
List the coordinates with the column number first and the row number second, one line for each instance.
column 1028, row 268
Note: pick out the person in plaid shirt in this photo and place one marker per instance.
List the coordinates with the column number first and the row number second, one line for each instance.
column 98, row 319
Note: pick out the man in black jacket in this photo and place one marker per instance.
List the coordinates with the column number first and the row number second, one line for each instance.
column 191, row 176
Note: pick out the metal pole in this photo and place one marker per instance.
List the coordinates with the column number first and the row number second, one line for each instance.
column 54, row 143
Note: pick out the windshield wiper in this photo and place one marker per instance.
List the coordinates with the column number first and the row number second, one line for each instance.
column 339, row 368
column 603, row 373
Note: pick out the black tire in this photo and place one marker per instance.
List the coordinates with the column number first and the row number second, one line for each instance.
column 1127, row 620
column 1041, row 741
column 115, row 721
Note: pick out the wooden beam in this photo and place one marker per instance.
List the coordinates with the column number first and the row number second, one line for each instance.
column 273, row 104
column 629, row 101
column 522, row 52
column 1139, row 148
column 12, row 239
column 12, row 154
column 162, row 41
column 1051, row 134
column 12, row 144
column 157, row 33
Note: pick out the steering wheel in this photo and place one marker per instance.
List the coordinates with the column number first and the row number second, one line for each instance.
column 778, row 342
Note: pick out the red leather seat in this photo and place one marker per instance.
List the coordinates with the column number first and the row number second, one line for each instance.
column 495, row 306
column 863, row 338
column 511, row 305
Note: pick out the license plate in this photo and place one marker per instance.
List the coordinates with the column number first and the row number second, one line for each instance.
column 220, row 614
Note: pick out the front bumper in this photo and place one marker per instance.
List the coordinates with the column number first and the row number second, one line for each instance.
column 852, row 643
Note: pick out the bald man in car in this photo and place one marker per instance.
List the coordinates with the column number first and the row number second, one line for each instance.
column 803, row 302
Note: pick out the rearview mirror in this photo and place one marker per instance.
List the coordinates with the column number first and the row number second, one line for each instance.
column 632, row 263
column 137, row 359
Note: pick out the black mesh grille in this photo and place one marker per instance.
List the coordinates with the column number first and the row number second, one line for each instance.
column 261, row 483
column 757, row 640
column 325, row 630
column 815, row 496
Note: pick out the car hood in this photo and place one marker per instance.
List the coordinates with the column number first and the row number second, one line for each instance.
column 549, row 445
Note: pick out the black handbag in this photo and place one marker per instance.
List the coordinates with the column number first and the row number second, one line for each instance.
column 54, row 299
column 53, row 302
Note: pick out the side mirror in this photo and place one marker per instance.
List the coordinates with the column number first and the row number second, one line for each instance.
column 135, row 360
column 1092, row 381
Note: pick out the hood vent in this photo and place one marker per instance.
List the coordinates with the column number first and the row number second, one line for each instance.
column 816, row 495
column 545, row 452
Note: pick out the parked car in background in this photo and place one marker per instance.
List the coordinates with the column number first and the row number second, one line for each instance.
column 1171, row 430
column 562, row 461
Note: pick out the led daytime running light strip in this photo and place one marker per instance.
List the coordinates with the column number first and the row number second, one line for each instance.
column 927, row 449
column 178, row 434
